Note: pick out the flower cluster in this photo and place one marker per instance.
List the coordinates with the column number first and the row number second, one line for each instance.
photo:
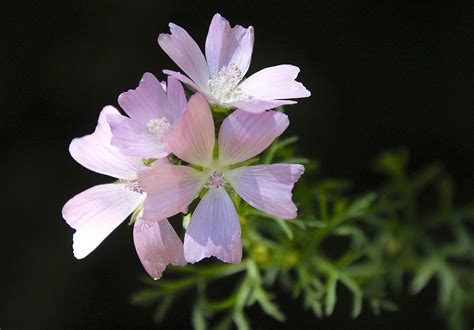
column 165, row 154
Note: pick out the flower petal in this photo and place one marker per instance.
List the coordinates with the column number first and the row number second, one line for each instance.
column 133, row 139
column 148, row 101
column 170, row 189
column 181, row 77
column 267, row 187
column 176, row 99
column 244, row 135
column 157, row 245
column 274, row 83
column 184, row 51
column 96, row 212
column 95, row 152
column 258, row 106
column 192, row 138
column 226, row 45
column 214, row 229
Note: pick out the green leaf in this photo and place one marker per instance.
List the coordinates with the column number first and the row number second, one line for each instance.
column 360, row 205
column 268, row 307
column 424, row 275
column 163, row 308
column 135, row 214
column 356, row 292
column 330, row 301
column 241, row 321
column 286, row 229
column 198, row 319
column 277, row 145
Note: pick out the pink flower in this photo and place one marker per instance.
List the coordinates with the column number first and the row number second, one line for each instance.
column 219, row 76
column 152, row 111
column 214, row 229
column 96, row 212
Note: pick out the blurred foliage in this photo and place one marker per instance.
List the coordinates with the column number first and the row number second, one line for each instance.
column 370, row 244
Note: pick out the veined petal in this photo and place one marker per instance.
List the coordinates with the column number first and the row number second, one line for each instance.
column 181, row 77
column 176, row 99
column 184, row 51
column 96, row 153
column 148, row 101
column 244, row 135
column 226, row 45
column 157, row 245
column 258, row 106
column 170, row 189
column 214, row 229
column 192, row 138
column 274, row 83
column 267, row 187
column 133, row 139
column 96, row 212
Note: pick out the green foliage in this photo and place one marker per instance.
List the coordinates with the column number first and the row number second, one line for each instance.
column 408, row 228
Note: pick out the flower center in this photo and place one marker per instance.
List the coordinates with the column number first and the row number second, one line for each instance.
column 223, row 84
column 216, row 179
column 158, row 127
column 132, row 185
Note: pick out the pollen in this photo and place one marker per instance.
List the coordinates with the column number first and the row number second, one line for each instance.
column 158, row 127
column 216, row 179
column 132, row 185
column 223, row 85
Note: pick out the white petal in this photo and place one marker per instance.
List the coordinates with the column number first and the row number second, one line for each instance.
column 133, row 139
column 274, row 83
column 96, row 152
column 148, row 101
column 96, row 212
column 184, row 51
column 226, row 45
column 259, row 106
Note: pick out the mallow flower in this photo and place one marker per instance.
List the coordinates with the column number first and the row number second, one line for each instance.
column 153, row 108
column 96, row 212
column 214, row 228
column 220, row 75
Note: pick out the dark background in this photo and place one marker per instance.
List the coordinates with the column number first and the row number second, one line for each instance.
column 382, row 75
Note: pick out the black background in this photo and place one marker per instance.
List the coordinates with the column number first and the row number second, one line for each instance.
column 382, row 75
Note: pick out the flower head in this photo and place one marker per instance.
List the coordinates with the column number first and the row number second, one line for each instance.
column 96, row 212
column 220, row 75
column 214, row 229
column 153, row 109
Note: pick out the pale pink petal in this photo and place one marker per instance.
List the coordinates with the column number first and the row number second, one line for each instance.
column 133, row 139
column 157, row 245
column 214, row 229
column 176, row 99
column 96, row 153
column 267, row 187
column 192, row 138
column 189, row 82
column 170, row 189
column 244, row 135
column 184, row 51
column 148, row 101
column 96, row 212
column 258, row 106
column 181, row 77
column 226, row 45
column 274, row 83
